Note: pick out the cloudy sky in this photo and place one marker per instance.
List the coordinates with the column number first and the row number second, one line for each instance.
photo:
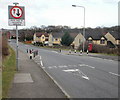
column 60, row 12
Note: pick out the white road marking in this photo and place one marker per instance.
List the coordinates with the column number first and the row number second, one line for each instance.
column 85, row 77
column 80, row 73
column 71, row 70
column 41, row 63
column 86, row 65
column 55, row 51
column 50, row 67
column 114, row 74
column 62, row 66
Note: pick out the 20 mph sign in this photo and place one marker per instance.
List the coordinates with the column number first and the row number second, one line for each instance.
column 16, row 15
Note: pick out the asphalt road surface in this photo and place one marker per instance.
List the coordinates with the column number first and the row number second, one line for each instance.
column 79, row 76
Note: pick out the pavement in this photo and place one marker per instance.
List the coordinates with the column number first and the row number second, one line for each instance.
column 32, row 82
column 103, row 56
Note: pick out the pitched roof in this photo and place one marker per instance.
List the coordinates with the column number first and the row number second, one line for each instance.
column 40, row 34
column 96, row 34
column 60, row 34
column 115, row 34
column 57, row 34
column 73, row 35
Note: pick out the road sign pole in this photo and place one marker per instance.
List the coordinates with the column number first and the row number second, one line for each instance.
column 16, row 18
column 16, row 43
column 17, row 48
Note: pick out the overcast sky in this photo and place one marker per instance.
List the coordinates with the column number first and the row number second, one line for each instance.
column 60, row 12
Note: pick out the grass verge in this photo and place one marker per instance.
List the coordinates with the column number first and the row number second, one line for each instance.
column 9, row 69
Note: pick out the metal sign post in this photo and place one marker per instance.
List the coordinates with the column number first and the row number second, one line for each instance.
column 17, row 48
column 16, row 18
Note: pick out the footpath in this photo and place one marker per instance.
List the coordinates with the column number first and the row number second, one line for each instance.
column 102, row 56
column 32, row 82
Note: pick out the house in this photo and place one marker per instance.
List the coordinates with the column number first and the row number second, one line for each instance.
column 113, row 38
column 78, row 40
column 55, row 38
column 95, row 36
column 41, row 38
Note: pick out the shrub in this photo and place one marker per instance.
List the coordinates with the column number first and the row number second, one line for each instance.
column 101, row 49
column 5, row 50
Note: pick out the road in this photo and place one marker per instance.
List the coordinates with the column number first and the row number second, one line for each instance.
column 79, row 76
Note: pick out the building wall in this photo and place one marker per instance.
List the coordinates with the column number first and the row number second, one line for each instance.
column 77, row 41
column 118, row 42
column 110, row 38
column 57, row 41
column 50, row 39
column 98, row 42
column 42, row 38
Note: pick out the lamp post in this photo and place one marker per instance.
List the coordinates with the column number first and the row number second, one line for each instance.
column 83, row 25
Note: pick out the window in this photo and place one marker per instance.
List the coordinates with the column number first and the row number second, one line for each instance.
column 56, row 39
column 42, row 37
column 102, row 41
column 46, row 39
column 89, row 41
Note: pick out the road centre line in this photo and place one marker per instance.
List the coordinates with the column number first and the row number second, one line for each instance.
column 114, row 74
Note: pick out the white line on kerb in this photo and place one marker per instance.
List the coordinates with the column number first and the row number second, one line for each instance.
column 41, row 63
column 114, row 74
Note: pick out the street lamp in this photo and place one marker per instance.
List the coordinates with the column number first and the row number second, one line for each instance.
column 83, row 25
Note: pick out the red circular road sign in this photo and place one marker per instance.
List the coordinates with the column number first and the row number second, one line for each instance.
column 16, row 12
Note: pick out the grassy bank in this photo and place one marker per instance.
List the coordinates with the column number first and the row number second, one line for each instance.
column 9, row 69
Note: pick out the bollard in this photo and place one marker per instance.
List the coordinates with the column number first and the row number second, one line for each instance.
column 87, row 52
column 75, row 51
column 81, row 52
column 31, row 56
column 69, row 51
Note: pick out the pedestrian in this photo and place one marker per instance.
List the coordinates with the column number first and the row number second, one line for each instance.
column 30, row 51
column 27, row 50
